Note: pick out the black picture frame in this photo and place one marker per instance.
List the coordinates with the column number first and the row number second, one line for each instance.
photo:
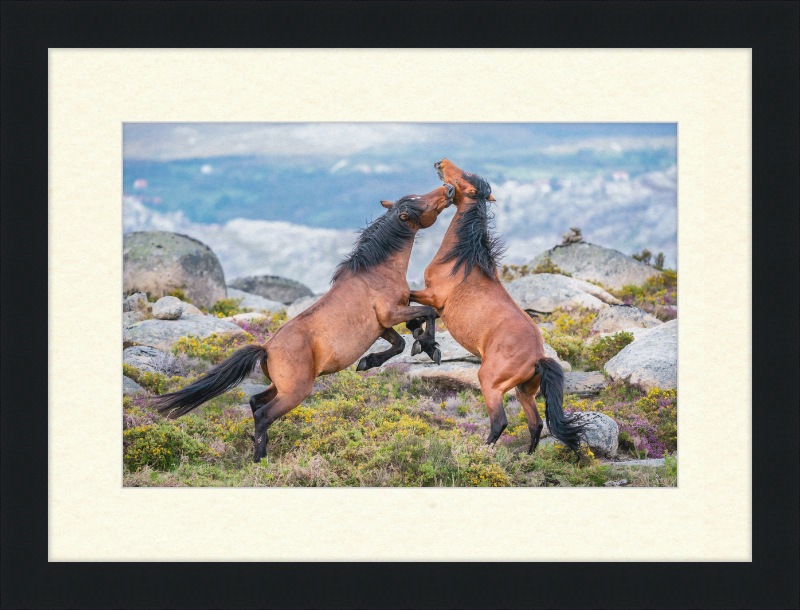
column 770, row 580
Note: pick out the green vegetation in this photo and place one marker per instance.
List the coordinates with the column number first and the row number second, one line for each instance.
column 657, row 295
column 509, row 273
column 226, row 308
column 389, row 429
column 606, row 348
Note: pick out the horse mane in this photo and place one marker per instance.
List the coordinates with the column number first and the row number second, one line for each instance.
column 475, row 242
column 381, row 238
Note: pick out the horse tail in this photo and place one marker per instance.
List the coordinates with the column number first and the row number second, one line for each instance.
column 216, row 381
column 566, row 428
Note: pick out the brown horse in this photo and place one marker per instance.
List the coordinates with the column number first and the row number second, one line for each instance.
column 462, row 285
column 368, row 297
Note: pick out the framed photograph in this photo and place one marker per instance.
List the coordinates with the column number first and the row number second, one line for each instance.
column 96, row 99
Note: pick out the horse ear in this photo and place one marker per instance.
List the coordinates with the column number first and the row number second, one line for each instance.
column 403, row 216
column 387, row 204
column 491, row 198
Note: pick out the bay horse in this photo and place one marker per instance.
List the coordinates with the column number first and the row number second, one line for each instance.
column 368, row 297
column 463, row 286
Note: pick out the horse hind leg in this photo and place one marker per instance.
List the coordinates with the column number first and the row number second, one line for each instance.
column 266, row 411
column 526, row 394
column 497, row 412
column 371, row 361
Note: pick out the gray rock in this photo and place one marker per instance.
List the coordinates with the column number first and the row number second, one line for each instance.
column 272, row 287
column 253, row 301
column 135, row 302
column 246, row 317
column 590, row 262
column 451, row 351
column 601, row 434
column 129, row 317
column 584, row 384
column 160, row 262
column 300, row 305
column 163, row 334
column 651, row 462
column 130, row 387
column 545, row 292
column 651, row 360
column 141, row 357
column 250, row 389
column 623, row 317
column 167, row 308
column 637, row 333
column 187, row 309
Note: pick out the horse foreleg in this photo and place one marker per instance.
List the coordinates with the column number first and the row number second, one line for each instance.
column 374, row 360
column 426, row 341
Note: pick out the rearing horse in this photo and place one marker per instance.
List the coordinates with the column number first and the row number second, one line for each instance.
column 368, row 297
column 462, row 285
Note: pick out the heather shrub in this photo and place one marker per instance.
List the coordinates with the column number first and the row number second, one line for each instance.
column 160, row 446
column 157, row 383
column 226, row 307
column 569, row 348
column 656, row 296
column 212, row 349
column 606, row 348
column 261, row 329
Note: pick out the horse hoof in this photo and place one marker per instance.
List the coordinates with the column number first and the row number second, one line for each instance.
column 437, row 356
column 362, row 365
column 416, row 348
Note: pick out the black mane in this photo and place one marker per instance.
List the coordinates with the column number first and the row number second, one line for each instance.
column 475, row 243
column 381, row 238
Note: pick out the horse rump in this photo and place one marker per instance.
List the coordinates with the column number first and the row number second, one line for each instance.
column 216, row 381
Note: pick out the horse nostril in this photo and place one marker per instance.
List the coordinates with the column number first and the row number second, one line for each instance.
column 437, row 164
column 451, row 190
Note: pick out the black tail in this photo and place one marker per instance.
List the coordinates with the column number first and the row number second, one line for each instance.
column 216, row 381
column 566, row 428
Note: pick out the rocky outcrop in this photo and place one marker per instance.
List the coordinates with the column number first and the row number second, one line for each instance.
column 589, row 262
column 458, row 368
column 254, row 301
column 623, row 317
column 131, row 388
column 160, row 262
column 584, row 384
column 187, row 309
column 163, row 334
column 300, row 305
column 272, row 287
column 141, row 357
column 135, row 302
column 651, row 360
column 129, row 317
column 573, row 237
column 167, row 308
column 545, row 292
column 601, row 434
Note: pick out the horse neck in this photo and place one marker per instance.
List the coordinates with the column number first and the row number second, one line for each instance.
column 397, row 263
column 450, row 237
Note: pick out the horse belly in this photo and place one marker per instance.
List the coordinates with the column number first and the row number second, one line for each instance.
column 344, row 347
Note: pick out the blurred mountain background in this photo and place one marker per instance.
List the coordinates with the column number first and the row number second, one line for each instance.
column 287, row 199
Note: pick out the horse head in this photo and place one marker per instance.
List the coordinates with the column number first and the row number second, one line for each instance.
column 468, row 187
column 421, row 211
